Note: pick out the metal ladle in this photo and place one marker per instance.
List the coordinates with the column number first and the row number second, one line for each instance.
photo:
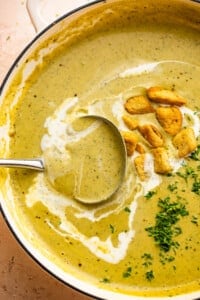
column 38, row 164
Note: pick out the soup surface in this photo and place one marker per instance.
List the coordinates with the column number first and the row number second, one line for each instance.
column 154, row 248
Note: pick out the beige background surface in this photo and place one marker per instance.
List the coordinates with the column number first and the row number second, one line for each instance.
column 20, row 276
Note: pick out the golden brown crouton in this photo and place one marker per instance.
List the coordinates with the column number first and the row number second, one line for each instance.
column 131, row 140
column 185, row 142
column 138, row 105
column 140, row 148
column 130, row 122
column 139, row 165
column 151, row 134
column 161, row 95
column 170, row 118
column 161, row 162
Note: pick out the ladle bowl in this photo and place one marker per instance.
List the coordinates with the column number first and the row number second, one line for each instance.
column 109, row 188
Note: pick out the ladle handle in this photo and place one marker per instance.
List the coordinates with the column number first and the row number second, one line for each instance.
column 37, row 8
column 34, row 164
column 34, row 10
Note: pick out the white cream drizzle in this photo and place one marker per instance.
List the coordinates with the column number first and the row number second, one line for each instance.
column 147, row 67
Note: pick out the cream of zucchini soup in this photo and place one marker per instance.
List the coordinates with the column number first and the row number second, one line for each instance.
column 145, row 239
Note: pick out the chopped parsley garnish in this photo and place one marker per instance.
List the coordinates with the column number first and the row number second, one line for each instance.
column 150, row 194
column 149, row 275
column 172, row 187
column 148, row 259
column 147, row 256
column 112, row 228
column 196, row 154
column 196, row 187
column 127, row 209
column 194, row 220
column 105, row 280
column 164, row 230
column 189, row 172
column 197, row 110
column 147, row 263
column 127, row 273
column 166, row 258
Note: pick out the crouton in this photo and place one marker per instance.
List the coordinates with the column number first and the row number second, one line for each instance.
column 161, row 161
column 185, row 142
column 140, row 148
column 170, row 118
column 138, row 105
column 130, row 122
column 152, row 135
column 161, row 95
column 139, row 162
column 131, row 140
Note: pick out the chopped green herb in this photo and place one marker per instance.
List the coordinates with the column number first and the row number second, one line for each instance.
column 127, row 209
column 164, row 230
column 105, row 280
column 166, row 258
column 112, row 228
column 188, row 117
column 196, row 154
column 196, row 187
column 148, row 259
column 194, row 220
column 177, row 231
column 149, row 275
column 189, row 172
column 197, row 110
column 172, row 187
column 147, row 263
column 150, row 194
column 147, row 256
column 127, row 273
column 169, row 175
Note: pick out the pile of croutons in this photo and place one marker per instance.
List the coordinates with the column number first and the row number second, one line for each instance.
column 165, row 105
